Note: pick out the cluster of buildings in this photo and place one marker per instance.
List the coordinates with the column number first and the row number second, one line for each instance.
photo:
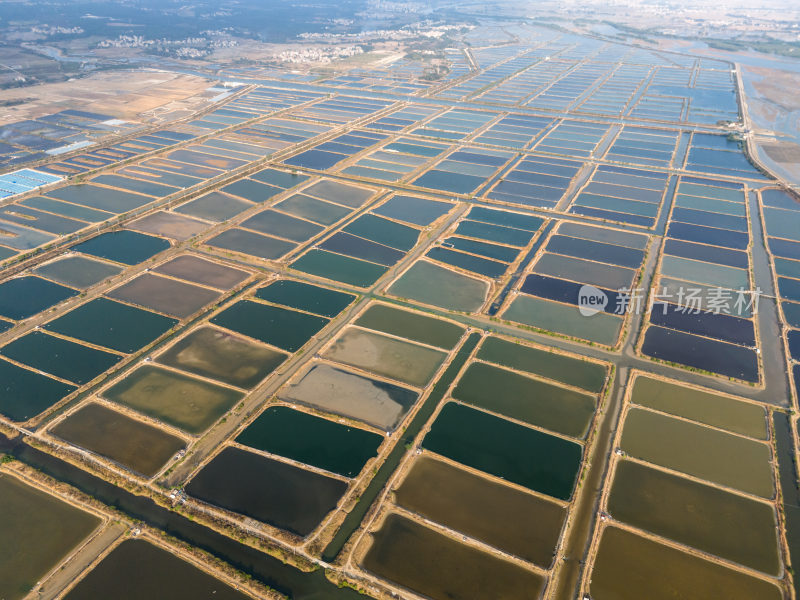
column 423, row 29
column 49, row 30
column 316, row 55
column 194, row 47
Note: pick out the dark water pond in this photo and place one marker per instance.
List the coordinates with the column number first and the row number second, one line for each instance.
column 273, row 492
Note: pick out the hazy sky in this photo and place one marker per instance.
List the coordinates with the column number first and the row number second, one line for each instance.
column 726, row 4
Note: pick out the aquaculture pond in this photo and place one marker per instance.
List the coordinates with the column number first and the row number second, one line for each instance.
column 630, row 567
column 700, row 451
column 390, row 357
column 176, row 399
column 574, row 256
column 573, row 371
column 506, row 518
column 711, row 274
column 726, row 328
column 274, row 223
column 619, row 193
column 279, row 178
column 169, row 224
column 158, row 573
column 708, row 235
column 476, row 264
column 384, row 231
column 431, row 284
column 602, row 328
column 604, row 235
column 268, row 490
column 133, row 444
column 480, row 251
column 526, row 399
column 124, row 246
column 135, row 185
column 431, row 563
column 492, row 251
column 487, row 228
column 36, row 532
column 23, row 297
column 255, row 191
column 57, row 356
column 583, row 247
column 339, row 192
column 217, row 354
column 287, row 329
column 710, row 519
column 710, row 355
column 586, row 271
column 567, row 292
column 306, row 297
column 734, row 222
column 707, row 253
column 66, row 209
column 27, row 393
column 318, row 211
column 418, row 211
column 77, row 271
column 706, row 248
column 337, row 267
column 338, row 391
column 392, row 239
column 702, row 406
column 252, row 244
column 112, row 324
column 165, row 295
column 216, row 207
column 535, row 181
column 457, row 183
column 411, row 325
column 346, row 244
column 669, row 287
column 101, row 198
column 264, row 568
column 525, row 456
column 312, row 440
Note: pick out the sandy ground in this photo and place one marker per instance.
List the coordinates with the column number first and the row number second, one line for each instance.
column 777, row 86
column 123, row 95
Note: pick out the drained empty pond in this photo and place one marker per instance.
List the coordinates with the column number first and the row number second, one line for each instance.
column 342, row 392
column 220, row 355
column 403, row 361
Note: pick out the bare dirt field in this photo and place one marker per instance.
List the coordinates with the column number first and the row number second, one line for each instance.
column 123, row 95
column 778, row 86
